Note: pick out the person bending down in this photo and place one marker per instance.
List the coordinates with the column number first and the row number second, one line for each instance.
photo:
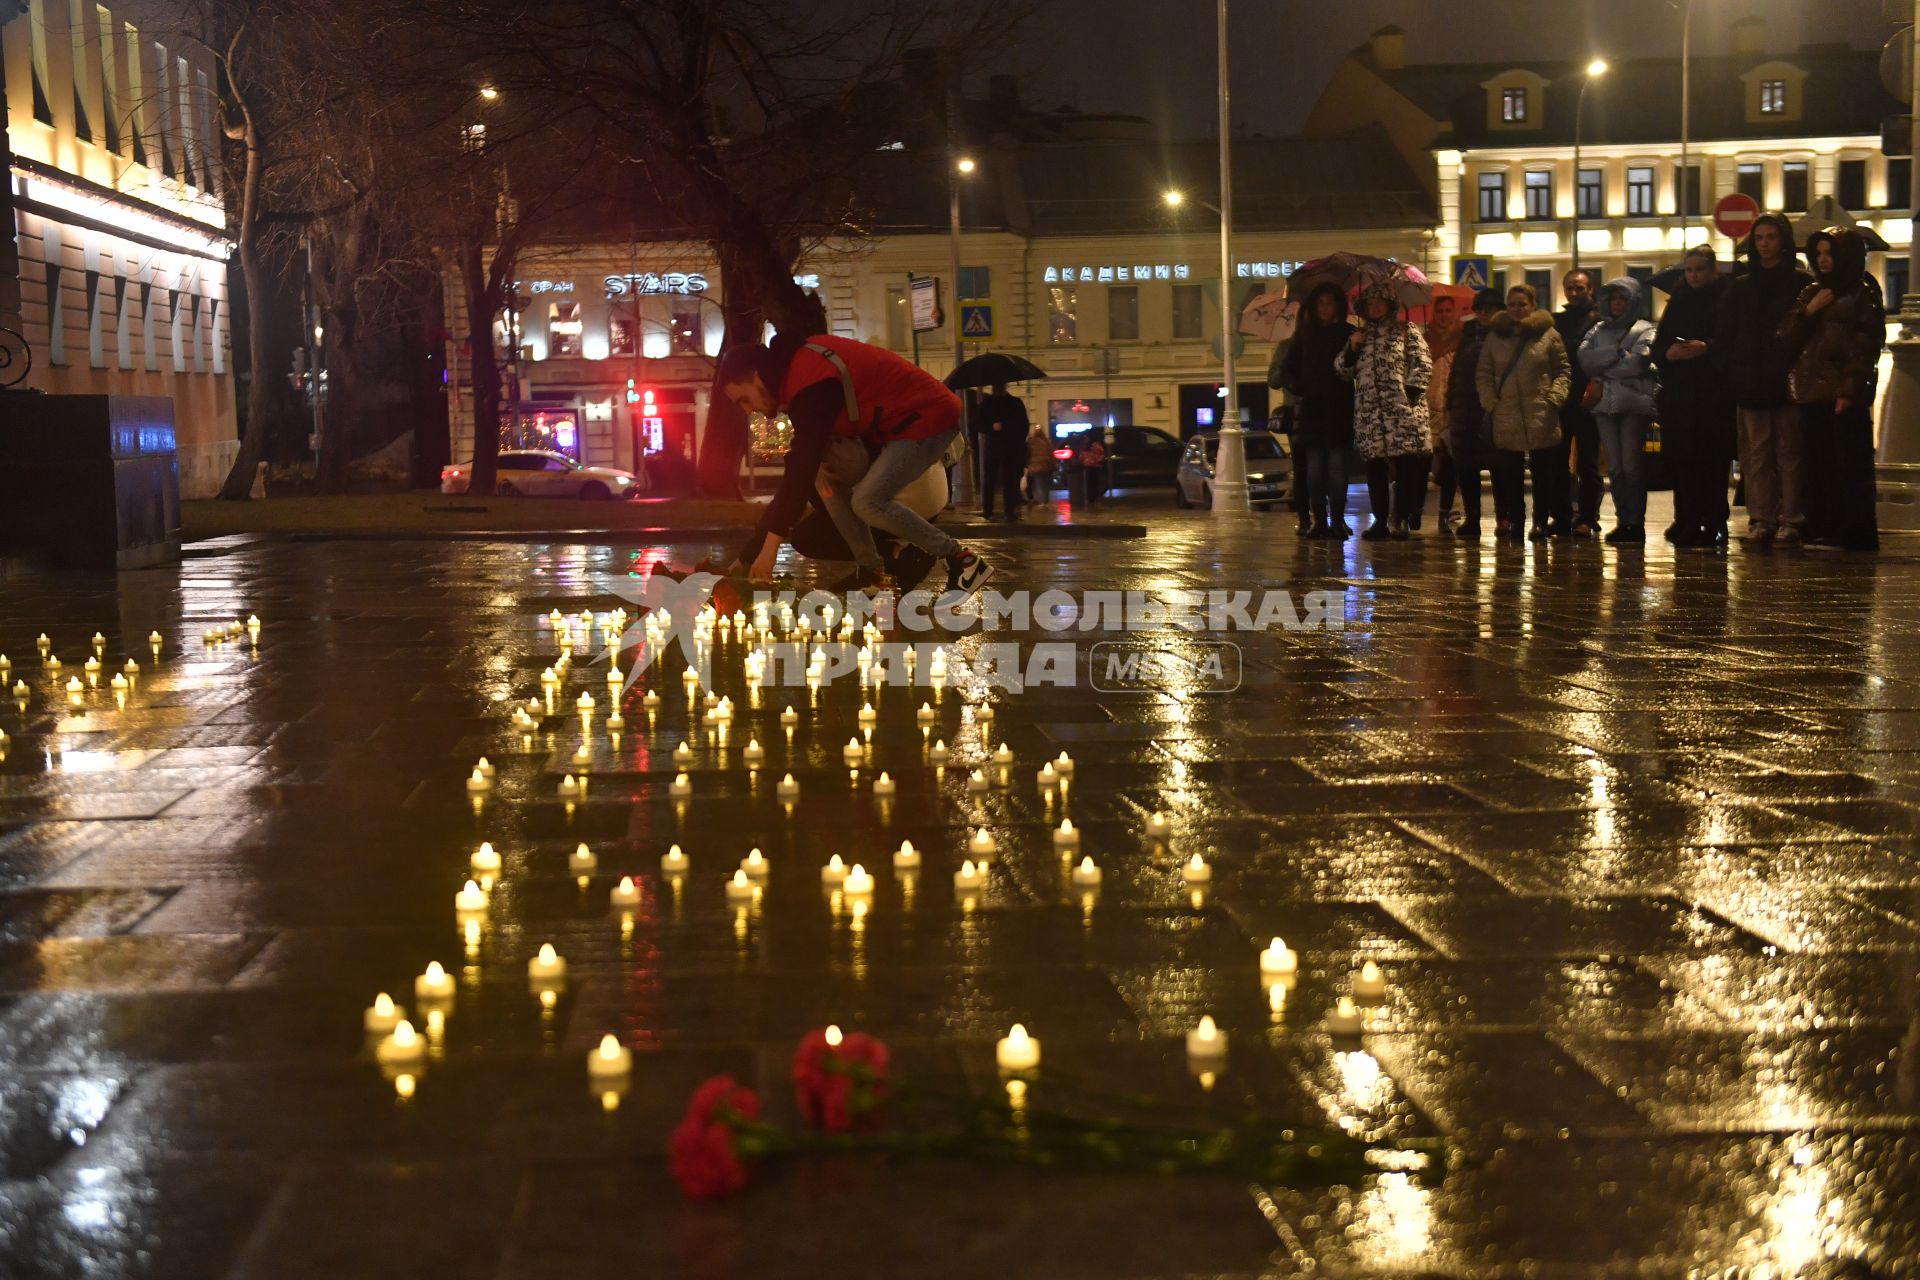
column 883, row 419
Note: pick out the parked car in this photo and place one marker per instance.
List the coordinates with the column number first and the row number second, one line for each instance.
column 1136, row 456
column 538, row 473
column 1269, row 470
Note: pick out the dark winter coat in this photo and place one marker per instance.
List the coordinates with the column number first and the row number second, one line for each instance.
column 1463, row 383
column 1747, row 347
column 1572, row 324
column 1691, row 391
column 1837, row 350
column 1322, row 400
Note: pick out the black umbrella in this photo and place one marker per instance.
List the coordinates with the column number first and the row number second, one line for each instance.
column 992, row 370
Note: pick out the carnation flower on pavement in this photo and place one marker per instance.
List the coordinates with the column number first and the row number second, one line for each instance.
column 841, row 1087
column 712, row 1149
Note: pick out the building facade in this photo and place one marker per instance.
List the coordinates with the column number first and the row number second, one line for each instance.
column 1069, row 254
column 118, row 241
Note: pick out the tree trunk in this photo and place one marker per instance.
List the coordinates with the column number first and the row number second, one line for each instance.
column 253, row 442
column 483, row 304
column 336, row 446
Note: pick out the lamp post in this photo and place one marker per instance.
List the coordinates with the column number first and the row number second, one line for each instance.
column 1898, row 457
column 1595, row 69
column 1686, row 110
column 1230, row 460
column 957, row 166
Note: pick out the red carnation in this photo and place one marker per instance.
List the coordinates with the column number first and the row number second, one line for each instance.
column 840, row 1087
column 706, row 1152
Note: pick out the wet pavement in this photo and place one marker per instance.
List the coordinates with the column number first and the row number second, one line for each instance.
column 1630, row 835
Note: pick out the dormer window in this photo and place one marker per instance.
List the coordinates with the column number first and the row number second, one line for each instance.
column 1773, row 97
column 1775, row 93
column 1513, row 106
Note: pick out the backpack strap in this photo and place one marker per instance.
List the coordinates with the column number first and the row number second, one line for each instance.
column 832, row 357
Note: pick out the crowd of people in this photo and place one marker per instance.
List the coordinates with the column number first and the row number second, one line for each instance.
column 1773, row 363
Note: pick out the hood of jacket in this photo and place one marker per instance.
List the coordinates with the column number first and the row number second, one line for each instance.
column 1619, row 287
column 1789, row 259
column 1532, row 327
column 1849, row 249
column 1310, row 309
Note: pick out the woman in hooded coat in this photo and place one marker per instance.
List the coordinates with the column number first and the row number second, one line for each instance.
column 1322, row 410
column 1389, row 366
column 1617, row 356
column 1834, row 332
column 1696, row 407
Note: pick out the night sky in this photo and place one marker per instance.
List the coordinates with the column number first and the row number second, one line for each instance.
column 1156, row 57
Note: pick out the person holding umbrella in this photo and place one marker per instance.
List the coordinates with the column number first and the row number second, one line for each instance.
column 1389, row 366
column 1002, row 424
column 1322, row 403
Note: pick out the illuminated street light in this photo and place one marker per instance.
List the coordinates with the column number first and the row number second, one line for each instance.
column 1175, row 199
column 965, row 166
column 488, row 92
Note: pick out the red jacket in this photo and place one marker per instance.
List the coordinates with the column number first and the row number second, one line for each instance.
column 897, row 400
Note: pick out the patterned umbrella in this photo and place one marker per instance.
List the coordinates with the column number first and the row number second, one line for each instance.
column 1271, row 317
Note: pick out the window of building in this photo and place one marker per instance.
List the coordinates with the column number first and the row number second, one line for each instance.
column 189, row 142
column 563, row 328
column 1541, row 278
column 1793, row 185
column 897, row 317
column 1644, row 275
column 1189, row 313
column 1640, row 191
column 1123, row 312
column 1853, row 185
column 1513, row 106
column 1493, row 197
column 1063, row 314
column 163, row 108
column 1752, row 181
column 109, row 80
column 1592, row 193
column 976, row 282
column 683, row 325
column 621, row 340
column 37, row 37
column 1688, row 190
column 1899, row 181
column 136, row 94
column 82, row 69
column 209, row 150
column 1896, row 283
column 1773, row 97
column 1539, row 189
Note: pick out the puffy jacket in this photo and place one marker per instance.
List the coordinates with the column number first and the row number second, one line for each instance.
column 1616, row 353
column 1390, row 371
column 1526, row 403
column 1747, row 346
column 1464, row 411
column 1837, row 349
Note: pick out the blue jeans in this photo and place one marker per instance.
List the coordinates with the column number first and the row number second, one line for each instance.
column 1624, row 437
column 1325, row 474
column 864, row 502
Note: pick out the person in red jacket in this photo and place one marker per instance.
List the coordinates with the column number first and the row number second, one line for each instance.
column 875, row 423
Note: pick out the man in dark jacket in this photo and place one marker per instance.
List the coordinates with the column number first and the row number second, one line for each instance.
column 1001, row 444
column 1749, row 353
column 1464, row 412
column 1578, row 434
column 1696, row 413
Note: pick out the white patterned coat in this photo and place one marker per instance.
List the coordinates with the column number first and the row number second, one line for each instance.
column 1388, row 372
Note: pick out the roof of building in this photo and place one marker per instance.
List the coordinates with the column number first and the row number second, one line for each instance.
column 1638, row 100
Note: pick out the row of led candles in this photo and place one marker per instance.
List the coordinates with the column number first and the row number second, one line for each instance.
column 93, row 669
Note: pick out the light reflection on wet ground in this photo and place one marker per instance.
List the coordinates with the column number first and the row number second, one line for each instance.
column 1631, row 839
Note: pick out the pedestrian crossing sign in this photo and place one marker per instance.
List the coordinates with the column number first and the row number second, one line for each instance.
column 976, row 321
column 1474, row 273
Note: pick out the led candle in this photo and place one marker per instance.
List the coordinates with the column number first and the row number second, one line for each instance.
column 43, row 643
column 234, row 628
column 853, row 753
column 976, row 781
column 1196, row 871
column 789, row 717
column 983, row 845
column 624, row 895
column 1086, row 875
column 1206, row 1040
column 253, row 626
column 155, row 641
column 937, row 753
column 753, row 753
column 674, row 861
column 1063, row 765
column 478, row 783
column 788, row 788
column 724, row 712
column 906, row 857
column 925, row 714
column 1369, row 985
column 1017, row 1051
column 548, row 968
column 681, row 787
column 584, row 704
column 1277, row 961
column 711, row 702
column 937, row 668
column 1345, row 1018
column 549, row 678
column 582, row 861
column 1046, row 777
column 569, row 788
column 582, row 755
column 867, row 714
column 651, row 701
column 435, row 986
column 6, row 666
column 1065, row 838
column 971, row 875
column 739, row 888
column 883, row 786
column 755, row 864
column 485, row 861
column 131, row 669
column 20, row 689
column 471, row 900
column 983, row 713
column 834, row 872
column 615, row 679
column 1003, row 754
column 483, row 767
column 682, row 754
column 858, row 882
column 118, row 684
column 91, row 666
column 690, row 678
column 1159, row 827
column 404, row 1046
column 53, row 662
column 381, row 1016
column 611, row 1061
column 615, row 721
column 76, row 692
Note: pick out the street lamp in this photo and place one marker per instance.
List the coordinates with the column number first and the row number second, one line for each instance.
column 488, row 92
column 1595, row 69
column 1230, row 459
column 961, row 166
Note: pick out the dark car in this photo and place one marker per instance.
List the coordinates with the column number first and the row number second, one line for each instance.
column 1136, row 456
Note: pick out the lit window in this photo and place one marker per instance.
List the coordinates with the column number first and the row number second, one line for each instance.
column 1593, row 193
column 1493, row 197
column 1513, row 106
column 1539, row 188
column 1063, row 321
column 563, row 328
column 1773, row 97
column 1640, row 192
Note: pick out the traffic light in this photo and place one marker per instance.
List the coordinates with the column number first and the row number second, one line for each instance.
column 648, row 410
column 633, row 394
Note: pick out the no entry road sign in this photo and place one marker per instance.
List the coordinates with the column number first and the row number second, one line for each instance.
column 1733, row 216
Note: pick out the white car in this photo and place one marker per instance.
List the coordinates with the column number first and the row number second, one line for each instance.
column 538, row 473
column 1269, row 470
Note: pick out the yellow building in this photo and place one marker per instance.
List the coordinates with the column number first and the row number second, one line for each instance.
column 117, row 257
